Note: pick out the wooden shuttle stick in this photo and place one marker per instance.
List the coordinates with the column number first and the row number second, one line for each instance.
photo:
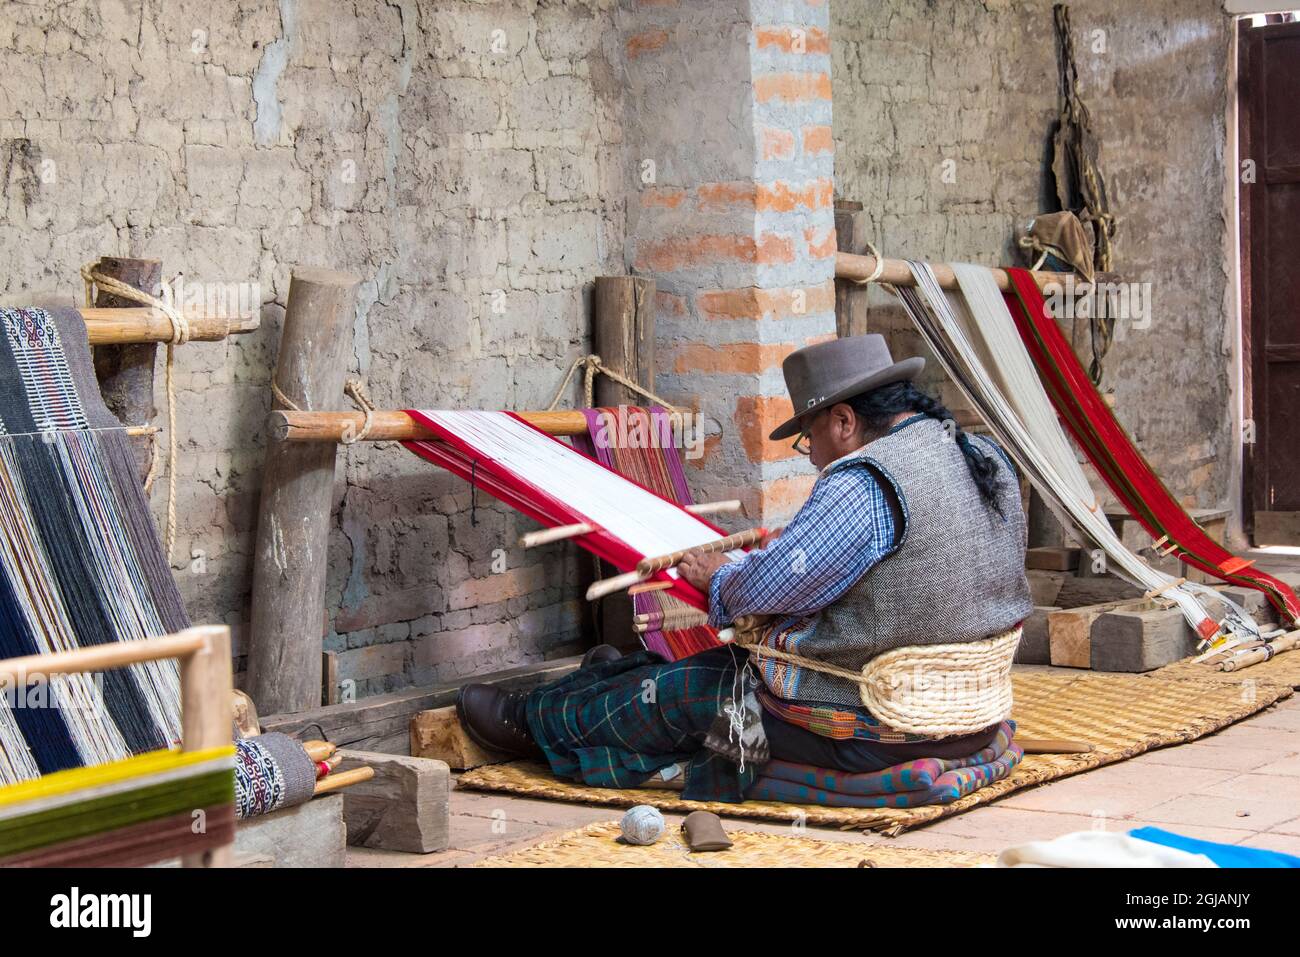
column 560, row 532
column 648, row 566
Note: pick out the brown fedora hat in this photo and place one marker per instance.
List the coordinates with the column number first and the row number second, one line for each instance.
column 819, row 376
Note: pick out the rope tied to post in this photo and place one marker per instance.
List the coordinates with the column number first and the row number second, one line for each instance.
column 94, row 279
column 592, row 365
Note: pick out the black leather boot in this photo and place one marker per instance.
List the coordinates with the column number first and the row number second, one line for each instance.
column 600, row 653
column 493, row 719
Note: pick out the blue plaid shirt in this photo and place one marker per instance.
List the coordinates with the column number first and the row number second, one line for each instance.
column 844, row 528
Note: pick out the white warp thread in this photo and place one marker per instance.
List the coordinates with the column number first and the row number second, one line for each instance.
column 642, row 520
column 974, row 336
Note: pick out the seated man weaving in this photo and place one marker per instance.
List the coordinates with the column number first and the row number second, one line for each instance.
column 912, row 537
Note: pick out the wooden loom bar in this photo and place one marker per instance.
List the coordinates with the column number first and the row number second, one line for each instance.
column 105, row 327
column 897, row 273
column 559, row 533
column 395, row 426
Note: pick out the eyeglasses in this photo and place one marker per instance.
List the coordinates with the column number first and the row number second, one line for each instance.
column 801, row 444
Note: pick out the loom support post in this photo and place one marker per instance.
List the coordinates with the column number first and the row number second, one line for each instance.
column 851, row 225
column 623, row 335
column 125, row 371
column 288, row 613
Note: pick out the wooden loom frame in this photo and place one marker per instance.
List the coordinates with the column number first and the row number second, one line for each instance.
column 203, row 653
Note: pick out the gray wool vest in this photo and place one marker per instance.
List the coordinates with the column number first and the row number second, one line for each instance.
column 957, row 573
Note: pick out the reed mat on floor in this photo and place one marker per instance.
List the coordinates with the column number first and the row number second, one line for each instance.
column 1121, row 715
column 599, row 845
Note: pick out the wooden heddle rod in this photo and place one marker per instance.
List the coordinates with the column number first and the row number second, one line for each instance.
column 896, row 273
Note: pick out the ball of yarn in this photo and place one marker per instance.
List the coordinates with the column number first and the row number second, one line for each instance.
column 642, row 824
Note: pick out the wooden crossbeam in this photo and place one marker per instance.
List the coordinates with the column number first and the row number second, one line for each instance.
column 392, row 425
column 897, row 273
column 106, row 327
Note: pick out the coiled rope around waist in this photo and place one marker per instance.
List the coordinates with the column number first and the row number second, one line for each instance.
column 933, row 690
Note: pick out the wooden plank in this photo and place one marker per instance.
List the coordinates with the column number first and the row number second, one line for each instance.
column 851, row 298
column 1069, row 632
column 623, row 335
column 438, row 734
column 404, row 807
column 288, row 603
column 1057, row 558
column 1035, row 647
column 382, row 722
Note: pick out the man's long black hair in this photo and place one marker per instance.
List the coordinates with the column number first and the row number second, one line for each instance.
column 877, row 407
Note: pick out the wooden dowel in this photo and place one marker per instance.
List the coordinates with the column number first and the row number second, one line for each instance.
column 36, row 668
column 645, row 587
column 105, row 327
column 557, row 534
column 332, row 782
column 897, row 273
column 560, row 532
column 1255, row 656
column 206, row 713
column 714, row 508
column 648, row 566
column 608, row 586
column 319, row 750
column 390, row 425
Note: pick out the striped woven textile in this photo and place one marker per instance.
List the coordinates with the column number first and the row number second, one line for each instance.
column 925, row 781
column 637, row 443
column 80, row 562
column 1119, row 462
column 272, row 771
column 125, row 813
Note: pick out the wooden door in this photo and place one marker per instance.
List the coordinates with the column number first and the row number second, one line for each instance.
column 1269, row 58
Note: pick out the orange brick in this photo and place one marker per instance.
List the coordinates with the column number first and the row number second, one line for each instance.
column 774, row 249
column 711, row 444
column 792, row 87
column 783, row 38
column 756, row 416
column 713, row 196
column 668, row 304
column 782, row 197
column 646, row 42
column 740, row 357
column 817, row 139
column 776, row 143
column 820, row 246
column 668, row 197
column 755, row 303
column 779, row 499
column 671, row 254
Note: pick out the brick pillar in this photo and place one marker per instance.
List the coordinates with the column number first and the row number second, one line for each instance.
column 729, row 123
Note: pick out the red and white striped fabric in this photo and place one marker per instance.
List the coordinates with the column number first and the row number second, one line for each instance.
column 551, row 482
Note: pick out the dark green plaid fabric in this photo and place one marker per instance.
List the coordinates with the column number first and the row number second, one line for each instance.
column 615, row 724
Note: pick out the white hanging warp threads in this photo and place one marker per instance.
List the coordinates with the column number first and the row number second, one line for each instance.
column 974, row 337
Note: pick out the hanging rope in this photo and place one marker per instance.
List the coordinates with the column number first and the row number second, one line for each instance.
column 94, row 279
column 592, row 365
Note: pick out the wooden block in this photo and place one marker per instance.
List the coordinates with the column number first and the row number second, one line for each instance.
column 1069, row 633
column 1076, row 591
column 438, row 734
column 1034, row 647
column 383, row 722
column 1044, row 586
column 404, row 807
column 1057, row 558
column 1140, row 638
column 329, row 678
column 306, row 835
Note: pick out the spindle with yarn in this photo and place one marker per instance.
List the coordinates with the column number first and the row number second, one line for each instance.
column 642, row 824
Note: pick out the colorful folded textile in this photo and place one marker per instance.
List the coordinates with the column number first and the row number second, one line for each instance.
column 272, row 771
column 912, row 784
